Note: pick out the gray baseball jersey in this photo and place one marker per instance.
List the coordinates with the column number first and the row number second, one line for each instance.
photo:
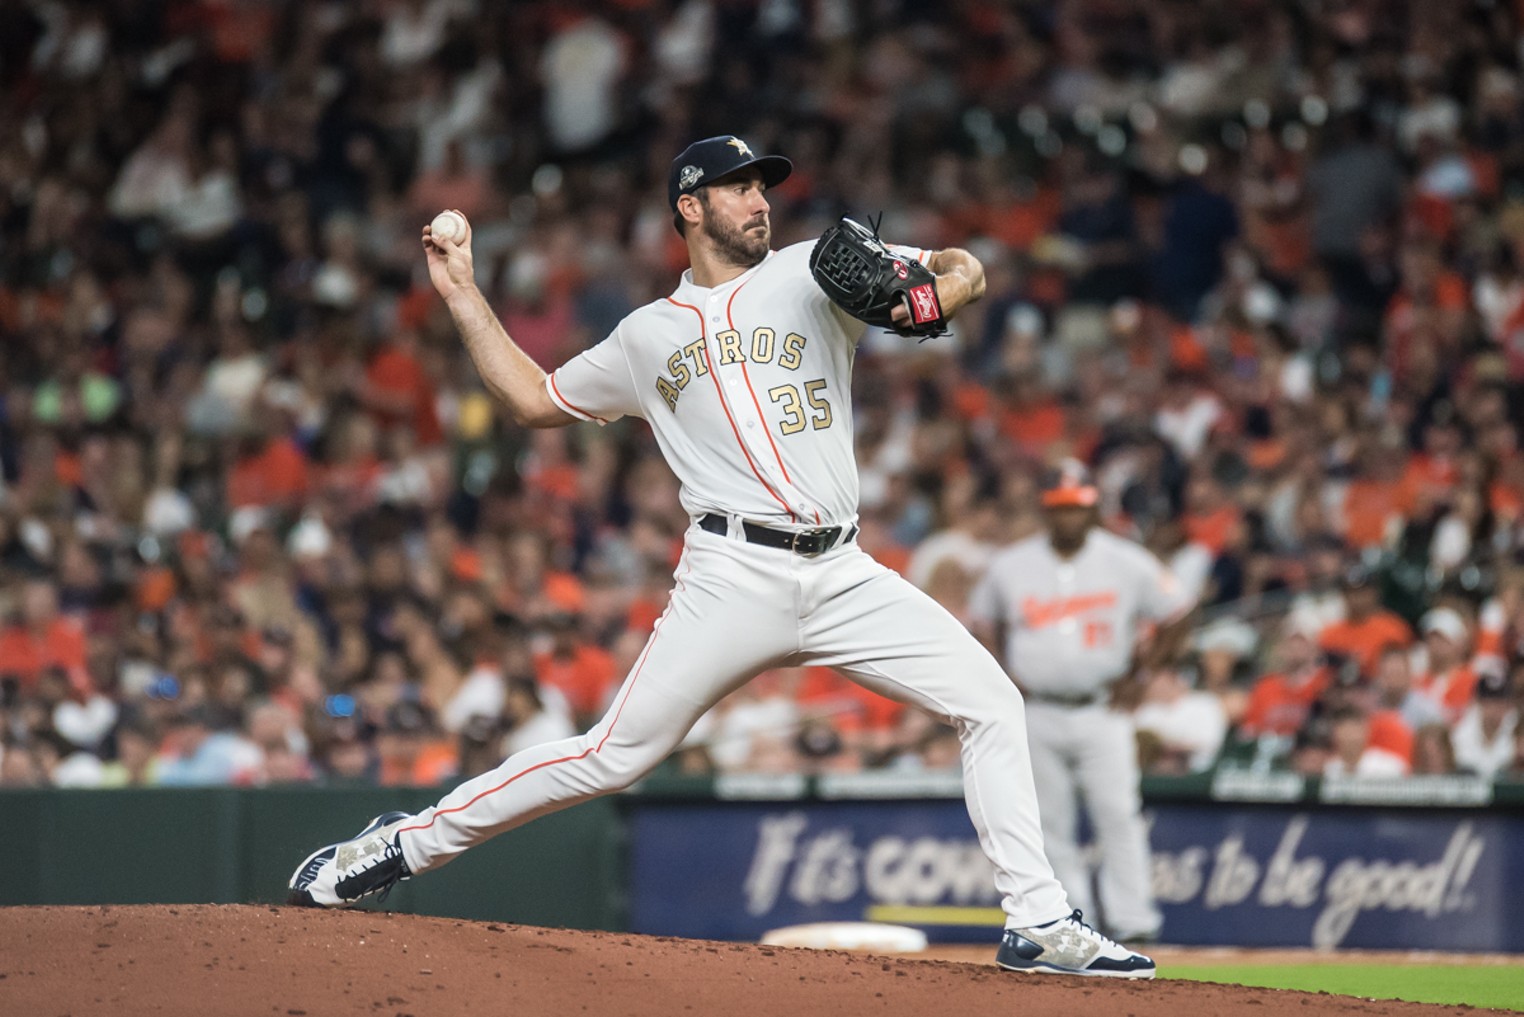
column 779, row 358
column 1071, row 625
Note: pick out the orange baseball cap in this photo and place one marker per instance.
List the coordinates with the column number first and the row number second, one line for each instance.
column 1068, row 485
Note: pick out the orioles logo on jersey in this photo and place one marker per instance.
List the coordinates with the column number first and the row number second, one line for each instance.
column 692, row 361
column 1042, row 613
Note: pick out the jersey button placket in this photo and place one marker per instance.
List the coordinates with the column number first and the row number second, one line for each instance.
column 746, row 410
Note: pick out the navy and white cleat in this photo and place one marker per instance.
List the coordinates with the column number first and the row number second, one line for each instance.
column 341, row 874
column 1067, row 946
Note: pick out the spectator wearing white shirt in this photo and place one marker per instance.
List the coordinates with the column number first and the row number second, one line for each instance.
column 157, row 176
column 204, row 756
column 1189, row 561
column 1484, row 735
column 969, row 539
column 746, row 725
column 1395, row 691
column 211, row 203
column 1189, row 723
column 1188, row 414
column 580, row 68
column 530, row 720
column 1353, row 755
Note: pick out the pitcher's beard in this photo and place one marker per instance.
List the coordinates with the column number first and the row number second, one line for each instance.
column 739, row 246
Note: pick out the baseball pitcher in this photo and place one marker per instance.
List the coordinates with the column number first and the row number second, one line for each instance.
column 1067, row 607
column 743, row 374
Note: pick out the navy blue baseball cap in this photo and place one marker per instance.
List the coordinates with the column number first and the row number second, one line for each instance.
column 704, row 162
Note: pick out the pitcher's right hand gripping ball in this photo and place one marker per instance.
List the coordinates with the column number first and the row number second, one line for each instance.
column 868, row 281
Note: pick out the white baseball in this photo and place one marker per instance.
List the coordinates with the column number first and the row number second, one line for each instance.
column 448, row 225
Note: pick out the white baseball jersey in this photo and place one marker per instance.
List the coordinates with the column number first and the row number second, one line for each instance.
column 747, row 386
column 1071, row 624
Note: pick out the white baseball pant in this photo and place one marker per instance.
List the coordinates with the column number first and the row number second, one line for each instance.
column 1092, row 750
column 738, row 609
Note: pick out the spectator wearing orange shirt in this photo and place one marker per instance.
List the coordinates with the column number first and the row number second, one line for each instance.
column 410, row 755
column 1281, row 700
column 1373, row 501
column 866, row 720
column 1396, row 694
column 397, row 390
column 1430, row 303
column 271, row 471
column 353, row 469
column 1432, row 472
column 1367, row 628
column 1211, row 517
column 1449, row 681
column 532, row 589
column 1032, row 418
column 581, row 671
column 42, row 638
column 1397, row 711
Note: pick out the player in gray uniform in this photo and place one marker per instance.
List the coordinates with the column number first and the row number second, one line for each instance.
column 744, row 375
column 1067, row 607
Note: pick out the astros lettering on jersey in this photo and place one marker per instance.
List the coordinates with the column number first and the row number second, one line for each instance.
column 746, row 385
column 773, row 357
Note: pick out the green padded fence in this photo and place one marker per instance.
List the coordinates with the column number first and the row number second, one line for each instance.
column 237, row 845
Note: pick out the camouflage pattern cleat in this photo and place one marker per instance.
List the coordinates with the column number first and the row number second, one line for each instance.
column 341, row 874
column 1067, row 946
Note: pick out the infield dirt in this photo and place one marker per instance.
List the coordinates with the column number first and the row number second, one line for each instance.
column 199, row 960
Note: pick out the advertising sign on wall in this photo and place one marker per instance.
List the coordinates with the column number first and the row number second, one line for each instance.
column 1243, row 875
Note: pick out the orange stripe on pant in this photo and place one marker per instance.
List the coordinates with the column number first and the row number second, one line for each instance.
column 634, row 677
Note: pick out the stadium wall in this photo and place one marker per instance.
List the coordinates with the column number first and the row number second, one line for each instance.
column 238, row 845
column 1240, row 859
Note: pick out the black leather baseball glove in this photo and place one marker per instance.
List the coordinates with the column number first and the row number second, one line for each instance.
column 868, row 281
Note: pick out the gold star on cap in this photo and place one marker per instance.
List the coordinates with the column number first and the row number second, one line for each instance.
column 740, row 146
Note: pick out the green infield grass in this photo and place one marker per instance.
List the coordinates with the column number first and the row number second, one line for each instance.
column 1500, row 986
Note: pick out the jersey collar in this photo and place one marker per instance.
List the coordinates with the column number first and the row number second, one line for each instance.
column 686, row 285
column 1079, row 552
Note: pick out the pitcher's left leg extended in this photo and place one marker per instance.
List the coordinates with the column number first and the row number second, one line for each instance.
column 888, row 636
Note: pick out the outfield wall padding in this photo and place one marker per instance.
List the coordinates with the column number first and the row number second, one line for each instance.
column 240, row 845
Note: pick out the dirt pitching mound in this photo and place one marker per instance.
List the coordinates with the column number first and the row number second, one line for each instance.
column 195, row 960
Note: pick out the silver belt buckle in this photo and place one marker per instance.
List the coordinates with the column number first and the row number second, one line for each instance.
column 794, row 544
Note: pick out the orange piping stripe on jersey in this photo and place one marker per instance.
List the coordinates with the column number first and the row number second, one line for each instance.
column 568, row 402
column 768, row 431
column 634, row 677
column 745, row 373
column 709, row 368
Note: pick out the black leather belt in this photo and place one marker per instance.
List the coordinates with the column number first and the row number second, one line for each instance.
column 1059, row 699
column 808, row 543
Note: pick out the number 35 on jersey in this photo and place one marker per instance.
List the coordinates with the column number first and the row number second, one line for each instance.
column 804, row 406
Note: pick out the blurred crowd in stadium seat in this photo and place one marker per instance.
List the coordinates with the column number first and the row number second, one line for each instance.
column 1261, row 264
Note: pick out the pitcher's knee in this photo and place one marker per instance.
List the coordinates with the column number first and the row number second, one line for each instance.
column 616, row 766
column 998, row 703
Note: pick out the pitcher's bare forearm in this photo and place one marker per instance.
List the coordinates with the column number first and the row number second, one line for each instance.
column 960, row 278
column 509, row 374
